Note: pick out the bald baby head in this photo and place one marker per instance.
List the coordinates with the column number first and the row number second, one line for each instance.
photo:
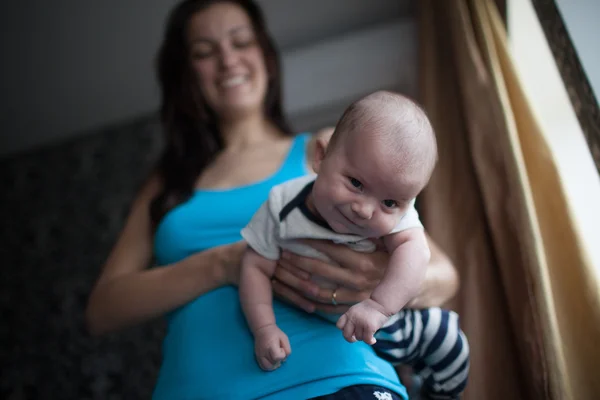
column 395, row 128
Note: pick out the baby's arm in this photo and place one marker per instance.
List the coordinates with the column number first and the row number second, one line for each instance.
column 403, row 278
column 255, row 290
column 271, row 344
column 400, row 284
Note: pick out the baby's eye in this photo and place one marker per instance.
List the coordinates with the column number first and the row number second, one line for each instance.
column 356, row 183
column 390, row 203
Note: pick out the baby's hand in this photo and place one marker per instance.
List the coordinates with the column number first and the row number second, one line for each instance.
column 271, row 347
column 361, row 321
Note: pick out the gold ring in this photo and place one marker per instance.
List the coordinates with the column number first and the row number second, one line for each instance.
column 333, row 297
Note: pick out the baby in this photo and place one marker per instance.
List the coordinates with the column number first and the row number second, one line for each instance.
column 381, row 155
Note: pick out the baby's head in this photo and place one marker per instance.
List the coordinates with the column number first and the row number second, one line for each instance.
column 379, row 158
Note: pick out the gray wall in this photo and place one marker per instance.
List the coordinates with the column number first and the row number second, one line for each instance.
column 70, row 67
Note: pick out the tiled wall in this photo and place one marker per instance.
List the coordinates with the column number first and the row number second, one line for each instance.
column 61, row 208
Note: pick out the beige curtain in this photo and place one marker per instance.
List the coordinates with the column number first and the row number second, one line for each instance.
column 529, row 300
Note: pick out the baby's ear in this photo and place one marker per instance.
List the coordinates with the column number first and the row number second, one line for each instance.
column 318, row 147
column 319, row 153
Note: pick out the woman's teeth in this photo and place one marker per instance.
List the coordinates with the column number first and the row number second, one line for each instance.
column 235, row 81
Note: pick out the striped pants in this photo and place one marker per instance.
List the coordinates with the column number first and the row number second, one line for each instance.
column 432, row 342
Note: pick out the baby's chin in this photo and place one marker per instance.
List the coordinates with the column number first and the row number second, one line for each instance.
column 339, row 227
column 342, row 228
column 365, row 232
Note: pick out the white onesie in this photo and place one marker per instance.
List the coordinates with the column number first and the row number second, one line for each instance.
column 284, row 218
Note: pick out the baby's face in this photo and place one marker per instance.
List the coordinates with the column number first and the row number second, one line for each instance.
column 358, row 192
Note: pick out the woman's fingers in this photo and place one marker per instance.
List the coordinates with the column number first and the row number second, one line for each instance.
column 343, row 296
column 307, row 295
column 306, row 286
column 339, row 253
column 322, row 302
column 298, row 272
column 364, row 263
column 368, row 265
column 291, row 296
column 307, row 264
column 332, row 273
column 331, row 309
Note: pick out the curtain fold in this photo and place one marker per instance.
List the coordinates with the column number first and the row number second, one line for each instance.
column 496, row 205
column 571, row 285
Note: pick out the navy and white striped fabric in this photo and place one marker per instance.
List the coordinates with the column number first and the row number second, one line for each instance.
column 432, row 342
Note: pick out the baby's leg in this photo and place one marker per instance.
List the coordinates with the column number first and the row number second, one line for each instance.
column 432, row 343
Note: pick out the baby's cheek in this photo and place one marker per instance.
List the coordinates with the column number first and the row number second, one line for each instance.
column 393, row 222
column 386, row 225
column 338, row 192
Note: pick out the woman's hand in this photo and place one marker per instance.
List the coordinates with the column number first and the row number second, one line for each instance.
column 356, row 278
column 230, row 257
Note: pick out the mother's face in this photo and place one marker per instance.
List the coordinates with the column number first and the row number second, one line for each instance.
column 227, row 60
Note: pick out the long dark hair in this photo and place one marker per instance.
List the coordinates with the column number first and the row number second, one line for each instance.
column 192, row 136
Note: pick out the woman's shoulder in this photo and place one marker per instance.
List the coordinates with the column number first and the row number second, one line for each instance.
column 323, row 134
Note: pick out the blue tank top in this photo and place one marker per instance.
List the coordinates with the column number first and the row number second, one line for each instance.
column 208, row 351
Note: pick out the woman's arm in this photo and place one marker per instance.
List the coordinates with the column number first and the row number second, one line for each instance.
column 441, row 280
column 359, row 275
column 128, row 293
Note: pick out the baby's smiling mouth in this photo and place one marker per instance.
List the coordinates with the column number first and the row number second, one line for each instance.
column 354, row 224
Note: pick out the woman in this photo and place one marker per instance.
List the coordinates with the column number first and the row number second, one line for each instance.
column 227, row 144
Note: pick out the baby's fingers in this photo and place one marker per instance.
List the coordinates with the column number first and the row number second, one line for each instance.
column 365, row 333
column 342, row 322
column 276, row 354
column 359, row 331
column 266, row 364
column 349, row 332
column 368, row 338
column 285, row 345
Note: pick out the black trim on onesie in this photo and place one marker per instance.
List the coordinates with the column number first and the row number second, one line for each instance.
column 300, row 202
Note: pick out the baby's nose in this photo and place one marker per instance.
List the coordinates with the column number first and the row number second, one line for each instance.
column 363, row 210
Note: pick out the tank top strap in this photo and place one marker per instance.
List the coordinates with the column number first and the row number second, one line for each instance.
column 295, row 164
